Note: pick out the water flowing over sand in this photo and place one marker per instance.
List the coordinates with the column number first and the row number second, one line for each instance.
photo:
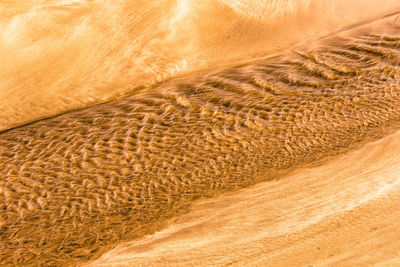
column 62, row 55
column 343, row 213
column 120, row 118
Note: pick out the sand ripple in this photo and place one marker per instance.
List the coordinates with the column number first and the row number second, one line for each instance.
column 343, row 213
column 75, row 185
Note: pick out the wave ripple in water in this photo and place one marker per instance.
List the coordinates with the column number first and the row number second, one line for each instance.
column 77, row 184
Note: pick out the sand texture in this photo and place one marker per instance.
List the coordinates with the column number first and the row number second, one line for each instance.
column 76, row 185
column 343, row 213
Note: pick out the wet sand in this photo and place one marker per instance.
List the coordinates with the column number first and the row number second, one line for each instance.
column 343, row 213
column 63, row 55
column 75, row 185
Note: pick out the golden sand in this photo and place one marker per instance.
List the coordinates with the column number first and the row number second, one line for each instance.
column 75, row 185
column 343, row 213
column 63, row 55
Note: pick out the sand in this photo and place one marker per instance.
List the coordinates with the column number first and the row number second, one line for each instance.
column 63, row 55
column 176, row 130
column 343, row 213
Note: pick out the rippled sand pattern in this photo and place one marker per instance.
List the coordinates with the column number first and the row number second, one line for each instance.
column 64, row 55
column 74, row 185
column 342, row 213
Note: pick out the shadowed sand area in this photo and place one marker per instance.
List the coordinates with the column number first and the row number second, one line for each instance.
column 76, row 185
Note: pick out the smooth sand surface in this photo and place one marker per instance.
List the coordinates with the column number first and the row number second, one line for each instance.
column 343, row 213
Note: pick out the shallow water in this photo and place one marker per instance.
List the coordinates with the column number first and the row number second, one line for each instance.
column 77, row 184
column 63, row 55
column 342, row 213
